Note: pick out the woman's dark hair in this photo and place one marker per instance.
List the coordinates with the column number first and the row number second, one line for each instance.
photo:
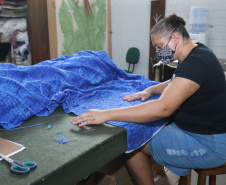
column 172, row 23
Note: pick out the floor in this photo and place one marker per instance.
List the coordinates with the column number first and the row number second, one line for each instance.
column 171, row 179
column 119, row 172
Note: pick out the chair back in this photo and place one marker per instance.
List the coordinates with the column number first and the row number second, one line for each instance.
column 133, row 55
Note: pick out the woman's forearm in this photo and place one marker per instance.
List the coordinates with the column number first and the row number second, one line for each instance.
column 158, row 89
column 145, row 112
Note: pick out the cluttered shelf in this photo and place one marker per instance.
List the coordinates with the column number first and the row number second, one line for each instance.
column 13, row 8
column 14, row 41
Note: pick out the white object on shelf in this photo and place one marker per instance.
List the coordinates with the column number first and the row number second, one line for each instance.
column 198, row 19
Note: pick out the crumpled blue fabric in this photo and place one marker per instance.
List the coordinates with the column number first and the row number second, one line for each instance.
column 86, row 80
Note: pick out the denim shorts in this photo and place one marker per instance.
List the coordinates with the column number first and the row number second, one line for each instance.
column 181, row 151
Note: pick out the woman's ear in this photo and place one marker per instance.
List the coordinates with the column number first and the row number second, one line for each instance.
column 175, row 38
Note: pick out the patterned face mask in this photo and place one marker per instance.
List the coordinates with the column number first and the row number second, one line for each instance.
column 165, row 54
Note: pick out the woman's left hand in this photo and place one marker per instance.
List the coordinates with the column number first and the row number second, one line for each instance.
column 91, row 117
column 143, row 95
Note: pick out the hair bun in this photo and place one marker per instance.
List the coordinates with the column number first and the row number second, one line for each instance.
column 181, row 20
column 176, row 19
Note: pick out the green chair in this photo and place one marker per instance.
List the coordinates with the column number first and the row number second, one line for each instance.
column 132, row 57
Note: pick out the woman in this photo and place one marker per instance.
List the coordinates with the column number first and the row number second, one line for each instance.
column 195, row 99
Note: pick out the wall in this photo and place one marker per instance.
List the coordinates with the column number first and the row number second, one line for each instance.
column 217, row 16
column 131, row 28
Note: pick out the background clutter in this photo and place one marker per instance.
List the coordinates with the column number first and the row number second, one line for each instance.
column 14, row 41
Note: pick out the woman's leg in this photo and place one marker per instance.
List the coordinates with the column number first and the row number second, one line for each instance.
column 138, row 163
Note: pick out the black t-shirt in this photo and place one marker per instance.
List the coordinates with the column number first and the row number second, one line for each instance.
column 205, row 111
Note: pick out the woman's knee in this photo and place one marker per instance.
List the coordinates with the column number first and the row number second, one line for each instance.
column 145, row 149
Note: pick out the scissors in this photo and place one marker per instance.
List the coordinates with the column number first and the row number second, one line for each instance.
column 19, row 167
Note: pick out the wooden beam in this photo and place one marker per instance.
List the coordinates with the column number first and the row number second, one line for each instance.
column 157, row 11
column 51, row 11
column 38, row 30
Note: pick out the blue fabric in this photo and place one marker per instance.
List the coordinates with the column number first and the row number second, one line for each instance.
column 86, row 80
column 181, row 151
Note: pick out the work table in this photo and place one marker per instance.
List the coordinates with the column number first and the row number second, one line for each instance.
column 88, row 149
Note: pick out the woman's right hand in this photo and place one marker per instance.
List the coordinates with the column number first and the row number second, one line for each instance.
column 143, row 95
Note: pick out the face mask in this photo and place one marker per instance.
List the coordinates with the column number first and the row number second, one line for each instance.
column 165, row 54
